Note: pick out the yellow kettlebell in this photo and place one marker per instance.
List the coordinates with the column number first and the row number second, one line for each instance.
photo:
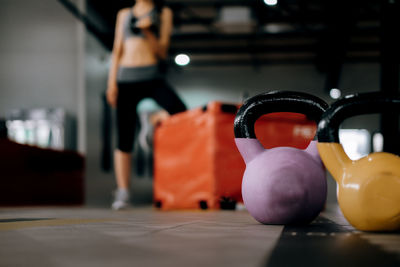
column 368, row 188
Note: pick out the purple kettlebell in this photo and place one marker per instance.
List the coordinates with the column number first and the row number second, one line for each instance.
column 282, row 185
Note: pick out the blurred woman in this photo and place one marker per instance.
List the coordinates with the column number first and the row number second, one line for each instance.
column 142, row 38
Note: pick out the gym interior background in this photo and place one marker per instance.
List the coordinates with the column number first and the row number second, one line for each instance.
column 56, row 54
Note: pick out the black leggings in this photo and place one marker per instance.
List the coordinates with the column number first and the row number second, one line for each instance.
column 129, row 95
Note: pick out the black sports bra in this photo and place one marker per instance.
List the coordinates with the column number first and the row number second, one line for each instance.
column 130, row 29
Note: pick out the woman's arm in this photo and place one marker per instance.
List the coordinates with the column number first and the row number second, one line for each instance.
column 160, row 46
column 112, row 89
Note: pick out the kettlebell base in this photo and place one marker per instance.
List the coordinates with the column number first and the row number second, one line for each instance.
column 283, row 197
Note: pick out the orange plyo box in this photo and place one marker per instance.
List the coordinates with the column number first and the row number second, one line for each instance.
column 196, row 162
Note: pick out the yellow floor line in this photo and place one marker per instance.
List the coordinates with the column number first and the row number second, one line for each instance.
column 42, row 223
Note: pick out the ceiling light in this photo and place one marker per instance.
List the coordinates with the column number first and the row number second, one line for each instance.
column 182, row 59
column 335, row 93
column 271, row 2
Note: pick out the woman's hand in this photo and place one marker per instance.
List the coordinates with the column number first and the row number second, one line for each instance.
column 144, row 23
column 112, row 95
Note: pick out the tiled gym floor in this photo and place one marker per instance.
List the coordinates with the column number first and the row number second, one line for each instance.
column 144, row 236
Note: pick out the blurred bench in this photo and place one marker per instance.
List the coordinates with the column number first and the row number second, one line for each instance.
column 35, row 176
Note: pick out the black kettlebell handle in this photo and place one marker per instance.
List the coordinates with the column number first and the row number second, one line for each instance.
column 276, row 101
column 350, row 106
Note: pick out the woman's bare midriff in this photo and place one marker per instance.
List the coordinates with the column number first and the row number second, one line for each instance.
column 137, row 53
